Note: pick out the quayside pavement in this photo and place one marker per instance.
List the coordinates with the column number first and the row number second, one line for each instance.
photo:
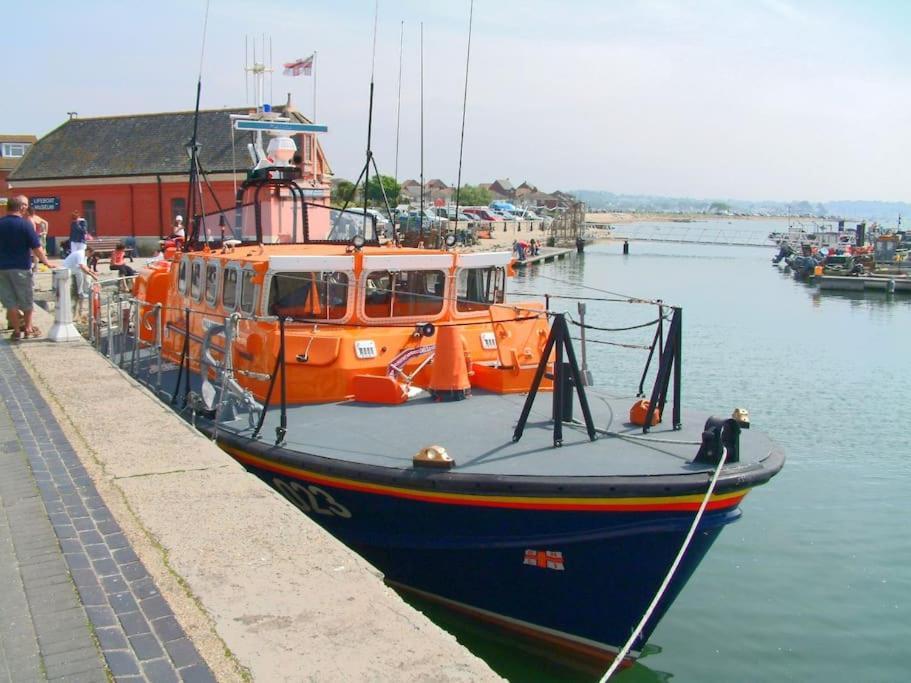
column 132, row 548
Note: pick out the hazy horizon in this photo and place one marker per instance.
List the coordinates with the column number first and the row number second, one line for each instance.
column 755, row 100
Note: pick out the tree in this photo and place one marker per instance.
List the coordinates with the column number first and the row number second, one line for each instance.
column 719, row 208
column 472, row 195
column 375, row 193
column 343, row 192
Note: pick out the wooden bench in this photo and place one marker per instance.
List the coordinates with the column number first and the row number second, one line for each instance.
column 103, row 247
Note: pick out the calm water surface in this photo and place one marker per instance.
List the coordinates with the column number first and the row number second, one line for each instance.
column 814, row 583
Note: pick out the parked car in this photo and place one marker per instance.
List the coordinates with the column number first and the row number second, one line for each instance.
column 526, row 215
column 483, row 214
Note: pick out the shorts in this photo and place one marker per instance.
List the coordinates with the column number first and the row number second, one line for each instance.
column 16, row 289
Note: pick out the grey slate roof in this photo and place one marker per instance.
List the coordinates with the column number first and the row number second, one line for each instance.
column 142, row 144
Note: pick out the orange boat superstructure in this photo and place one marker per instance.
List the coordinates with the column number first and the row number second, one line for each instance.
column 359, row 323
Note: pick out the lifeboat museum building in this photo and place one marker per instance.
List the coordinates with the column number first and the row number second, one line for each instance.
column 128, row 175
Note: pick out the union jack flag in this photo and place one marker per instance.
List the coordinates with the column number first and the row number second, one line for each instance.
column 301, row 66
column 545, row 559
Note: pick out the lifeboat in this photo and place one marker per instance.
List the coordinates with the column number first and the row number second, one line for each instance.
column 402, row 400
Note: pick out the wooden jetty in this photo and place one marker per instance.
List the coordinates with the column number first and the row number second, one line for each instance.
column 545, row 255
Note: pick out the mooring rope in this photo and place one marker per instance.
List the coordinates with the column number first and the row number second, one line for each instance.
column 667, row 579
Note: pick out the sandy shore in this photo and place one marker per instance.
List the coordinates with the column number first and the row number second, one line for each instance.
column 628, row 217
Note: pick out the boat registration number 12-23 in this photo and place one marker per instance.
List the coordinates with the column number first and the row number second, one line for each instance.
column 310, row 498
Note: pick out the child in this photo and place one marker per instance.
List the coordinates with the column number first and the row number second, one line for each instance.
column 118, row 262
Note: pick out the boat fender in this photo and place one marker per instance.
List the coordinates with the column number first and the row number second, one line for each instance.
column 639, row 411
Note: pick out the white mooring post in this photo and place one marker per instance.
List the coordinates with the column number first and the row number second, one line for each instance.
column 63, row 329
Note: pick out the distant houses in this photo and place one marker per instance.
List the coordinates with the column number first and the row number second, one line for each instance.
column 526, row 194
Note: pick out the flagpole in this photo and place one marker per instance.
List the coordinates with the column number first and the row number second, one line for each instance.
column 314, row 86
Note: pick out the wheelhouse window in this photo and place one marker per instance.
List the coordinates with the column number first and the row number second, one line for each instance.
column 182, row 276
column 478, row 288
column 404, row 293
column 196, row 279
column 311, row 295
column 212, row 283
column 229, row 288
column 247, row 292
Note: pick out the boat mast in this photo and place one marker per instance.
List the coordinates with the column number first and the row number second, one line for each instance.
column 464, row 108
column 376, row 14
column 398, row 105
column 193, row 191
column 421, row 231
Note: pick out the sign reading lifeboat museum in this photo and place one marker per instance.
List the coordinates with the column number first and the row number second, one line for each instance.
column 45, row 203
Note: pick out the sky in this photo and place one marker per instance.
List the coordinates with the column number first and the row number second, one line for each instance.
column 743, row 99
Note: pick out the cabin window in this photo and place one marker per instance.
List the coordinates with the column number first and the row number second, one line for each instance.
column 212, row 283
column 182, row 276
column 404, row 293
column 196, row 279
column 247, row 292
column 478, row 288
column 229, row 289
column 317, row 295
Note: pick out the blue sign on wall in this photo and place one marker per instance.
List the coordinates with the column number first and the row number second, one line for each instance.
column 45, row 203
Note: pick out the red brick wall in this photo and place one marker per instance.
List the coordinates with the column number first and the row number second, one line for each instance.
column 123, row 210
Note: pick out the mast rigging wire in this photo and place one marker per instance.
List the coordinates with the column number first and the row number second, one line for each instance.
column 464, row 108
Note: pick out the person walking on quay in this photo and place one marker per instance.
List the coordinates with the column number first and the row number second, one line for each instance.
column 78, row 232
column 77, row 262
column 18, row 241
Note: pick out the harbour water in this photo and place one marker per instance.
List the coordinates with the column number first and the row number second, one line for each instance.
column 814, row 582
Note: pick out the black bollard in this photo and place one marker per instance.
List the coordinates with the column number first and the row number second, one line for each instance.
column 626, row 247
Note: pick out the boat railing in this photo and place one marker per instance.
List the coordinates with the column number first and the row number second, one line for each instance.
column 129, row 331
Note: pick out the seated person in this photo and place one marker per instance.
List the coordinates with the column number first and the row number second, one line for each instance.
column 118, row 262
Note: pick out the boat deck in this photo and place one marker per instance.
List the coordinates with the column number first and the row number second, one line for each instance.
column 477, row 434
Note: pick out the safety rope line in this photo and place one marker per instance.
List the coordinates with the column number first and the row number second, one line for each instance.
column 618, row 660
column 617, row 329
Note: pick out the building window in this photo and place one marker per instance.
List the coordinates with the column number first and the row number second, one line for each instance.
column 88, row 212
column 179, row 208
column 15, row 149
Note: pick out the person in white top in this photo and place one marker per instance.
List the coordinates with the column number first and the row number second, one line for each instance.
column 80, row 287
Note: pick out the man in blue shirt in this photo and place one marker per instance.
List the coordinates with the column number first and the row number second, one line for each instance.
column 18, row 241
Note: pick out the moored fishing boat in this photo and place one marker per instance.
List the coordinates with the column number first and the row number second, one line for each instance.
column 403, row 401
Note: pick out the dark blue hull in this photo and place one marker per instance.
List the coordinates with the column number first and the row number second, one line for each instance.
column 578, row 579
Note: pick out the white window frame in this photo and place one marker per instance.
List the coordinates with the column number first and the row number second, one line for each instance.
column 213, row 300
column 235, row 267
column 10, row 149
column 256, row 291
column 362, row 299
column 350, row 302
column 182, row 284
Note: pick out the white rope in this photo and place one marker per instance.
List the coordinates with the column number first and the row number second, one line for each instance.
column 667, row 579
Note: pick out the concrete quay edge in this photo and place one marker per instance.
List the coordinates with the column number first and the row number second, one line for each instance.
column 261, row 590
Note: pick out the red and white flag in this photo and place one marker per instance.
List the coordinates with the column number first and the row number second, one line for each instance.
column 545, row 559
column 299, row 67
